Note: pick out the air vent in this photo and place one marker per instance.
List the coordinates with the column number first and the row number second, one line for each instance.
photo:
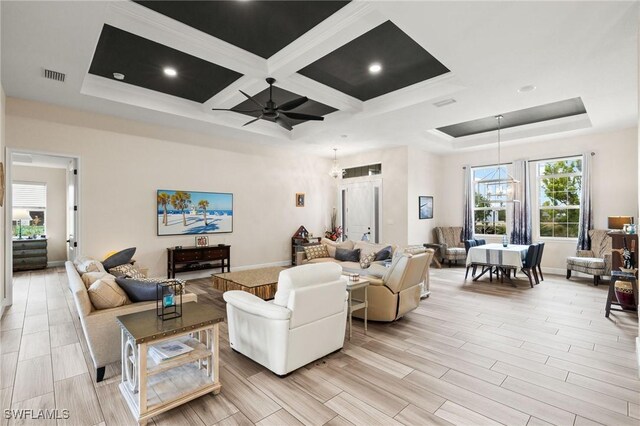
column 54, row 75
column 444, row 102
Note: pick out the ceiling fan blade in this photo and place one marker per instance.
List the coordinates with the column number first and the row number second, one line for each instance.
column 282, row 122
column 252, row 121
column 252, row 100
column 236, row 110
column 299, row 116
column 293, row 104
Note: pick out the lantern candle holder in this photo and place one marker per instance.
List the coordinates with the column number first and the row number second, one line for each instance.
column 169, row 299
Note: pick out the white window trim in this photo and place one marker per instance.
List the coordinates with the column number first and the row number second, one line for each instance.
column 508, row 211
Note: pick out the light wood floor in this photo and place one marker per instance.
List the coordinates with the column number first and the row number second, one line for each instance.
column 472, row 353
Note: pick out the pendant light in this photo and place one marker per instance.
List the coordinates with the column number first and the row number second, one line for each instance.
column 505, row 185
column 336, row 170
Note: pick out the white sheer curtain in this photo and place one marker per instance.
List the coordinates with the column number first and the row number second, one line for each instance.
column 467, row 227
column 521, row 220
column 586, row 215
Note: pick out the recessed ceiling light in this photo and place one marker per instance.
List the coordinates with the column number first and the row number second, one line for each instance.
column 527, row 88
column 171, row 72
column 375, row 68
column 118, row 76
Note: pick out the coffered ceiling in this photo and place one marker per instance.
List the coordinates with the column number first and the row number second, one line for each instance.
column 439, row 64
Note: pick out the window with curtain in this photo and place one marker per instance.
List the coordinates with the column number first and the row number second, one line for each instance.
column 31, row 197
column 490, row 196
column 559, row 186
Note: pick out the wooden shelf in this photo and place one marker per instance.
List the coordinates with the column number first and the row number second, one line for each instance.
column 199, row 352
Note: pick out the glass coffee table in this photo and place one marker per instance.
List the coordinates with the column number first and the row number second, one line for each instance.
column 151, row 387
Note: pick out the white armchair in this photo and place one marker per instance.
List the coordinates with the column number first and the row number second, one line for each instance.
column 305, row 321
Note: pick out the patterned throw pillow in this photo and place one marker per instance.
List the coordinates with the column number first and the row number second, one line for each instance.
column 315, row 252
column 366, row 261
column 127, row 270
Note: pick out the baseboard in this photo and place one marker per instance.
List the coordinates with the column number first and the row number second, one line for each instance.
column 261, row 265
column 563, row 271
column 55, row 263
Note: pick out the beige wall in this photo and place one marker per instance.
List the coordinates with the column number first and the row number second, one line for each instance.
column 121, row 169
column 423, row 179
column 56, row 218
column 3, row 290
column 614, row 188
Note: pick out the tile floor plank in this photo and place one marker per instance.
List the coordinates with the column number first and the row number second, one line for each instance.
column 357, row 412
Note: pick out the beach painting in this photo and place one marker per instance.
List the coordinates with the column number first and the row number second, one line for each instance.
column 191, row 212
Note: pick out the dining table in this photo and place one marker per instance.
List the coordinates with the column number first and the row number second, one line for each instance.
column 496, row 258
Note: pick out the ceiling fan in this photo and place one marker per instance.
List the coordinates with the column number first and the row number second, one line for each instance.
column 274, row 111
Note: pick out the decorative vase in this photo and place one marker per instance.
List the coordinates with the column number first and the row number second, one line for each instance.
column 624, row 294
column 505, row 241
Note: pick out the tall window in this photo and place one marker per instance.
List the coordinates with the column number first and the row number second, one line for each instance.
column 31, row 197
column 490, row 196
column 559, row 189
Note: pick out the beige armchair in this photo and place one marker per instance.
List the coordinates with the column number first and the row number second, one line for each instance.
column 597, row 261
column 450, row 237
column 398, row 291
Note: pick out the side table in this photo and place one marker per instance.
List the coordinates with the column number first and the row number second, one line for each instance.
column 151, row 388
column 356, row 304
column 611, row 295
column 436, row 247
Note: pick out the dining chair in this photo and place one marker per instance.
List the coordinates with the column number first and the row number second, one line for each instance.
column 467, row 245
column 539, row 261
column 529, row 264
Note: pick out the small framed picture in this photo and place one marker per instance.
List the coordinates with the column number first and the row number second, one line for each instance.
column 300, row 199
column 202, row 241
column 425, row 207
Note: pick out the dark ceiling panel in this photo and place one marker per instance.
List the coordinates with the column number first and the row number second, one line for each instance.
column 142, row 62
column 280, row 96
column 404, row 62
column 260, row 27
column 536, row 114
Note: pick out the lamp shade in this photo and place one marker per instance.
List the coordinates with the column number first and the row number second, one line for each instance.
column 618, row 222
column 21, row 214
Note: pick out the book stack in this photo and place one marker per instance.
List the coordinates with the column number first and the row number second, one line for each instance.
column 168, row 350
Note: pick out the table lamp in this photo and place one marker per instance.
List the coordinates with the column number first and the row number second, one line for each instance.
column 20, row 215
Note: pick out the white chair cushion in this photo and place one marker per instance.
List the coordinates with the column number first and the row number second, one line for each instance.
column 302, row 276
column 586, row 262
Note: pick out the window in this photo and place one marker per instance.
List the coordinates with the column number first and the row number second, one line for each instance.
column 559, row 189
column 490, row 196
column 31, row 197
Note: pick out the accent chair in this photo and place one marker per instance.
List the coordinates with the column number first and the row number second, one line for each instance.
column 450, row 237
column 597, row 261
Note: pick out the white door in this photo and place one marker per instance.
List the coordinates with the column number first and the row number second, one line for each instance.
column 360, row 218
column 72, row 210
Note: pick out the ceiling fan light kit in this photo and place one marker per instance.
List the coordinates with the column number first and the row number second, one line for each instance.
column 278, row 113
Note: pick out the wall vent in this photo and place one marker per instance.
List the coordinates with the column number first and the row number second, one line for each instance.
column 444, row 102
column 54, row 75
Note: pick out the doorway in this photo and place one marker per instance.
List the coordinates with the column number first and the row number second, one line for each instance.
column 42, row 199
column 360, row 207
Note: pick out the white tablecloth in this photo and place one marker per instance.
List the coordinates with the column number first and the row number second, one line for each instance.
column 496, row 254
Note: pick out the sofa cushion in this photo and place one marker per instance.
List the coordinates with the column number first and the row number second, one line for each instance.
column 332, row 245
column 89, row 265
column 352, row 267
column 594, row 263
column 376, row 270
column 143, row 290
column 119, row 258
column 317, row 251
column 346, row 255
column 127, row 270
column 367, row 248
column 89, row 278
column 324, row 260
column 384, row 254
column 105, row 293
column 365, row 262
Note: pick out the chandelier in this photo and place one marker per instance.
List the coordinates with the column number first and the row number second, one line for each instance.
column 336, row 170
column 503, row 183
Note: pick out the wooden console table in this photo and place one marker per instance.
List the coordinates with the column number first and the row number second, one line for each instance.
column 189, row 259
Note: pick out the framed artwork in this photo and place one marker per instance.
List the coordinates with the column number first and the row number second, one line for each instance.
column 191, row 212
column 299, row 199
column 202, row 241
column 425, row 207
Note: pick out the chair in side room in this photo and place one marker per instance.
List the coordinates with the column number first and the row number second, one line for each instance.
column 539, row 261
column 597, row 260
column 450, row 237
column 529, row 264
column 305, row 321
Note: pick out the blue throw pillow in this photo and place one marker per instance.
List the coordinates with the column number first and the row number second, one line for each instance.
column 119, row 258
column 138, row 291
column 383, row 254
column 346, row 255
